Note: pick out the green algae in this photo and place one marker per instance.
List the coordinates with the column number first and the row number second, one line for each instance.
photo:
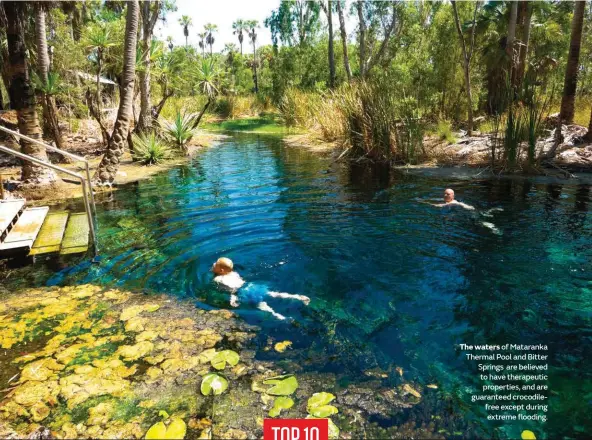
column 107, row 363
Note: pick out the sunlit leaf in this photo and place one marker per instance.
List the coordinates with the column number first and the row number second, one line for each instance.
column 323, row 411
column 319, row 399
column 226, row 356
column 279, row 404
column 213, row 383
column 282, row 385
column 156, row 431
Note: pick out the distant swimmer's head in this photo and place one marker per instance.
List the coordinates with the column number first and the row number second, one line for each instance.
column 448, row 195
column 222, row 266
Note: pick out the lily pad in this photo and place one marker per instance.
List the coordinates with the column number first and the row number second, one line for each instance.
column 280, row 347
column 323, row 412
column 176, row 430
column 279, row 404
column 225, row 356
column 213, row 383
column 282, row 385
column 319, row 399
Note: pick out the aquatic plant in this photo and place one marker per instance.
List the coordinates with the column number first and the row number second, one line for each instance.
column 318, row 405
column 279, row 404
column 282, row 385
column 213, row 384
column 175, row 428
column 223, row 357
column 149, row 149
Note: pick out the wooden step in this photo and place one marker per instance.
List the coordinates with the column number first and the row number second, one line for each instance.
column 9, row 210
column 76, row 236
column 24, row 232
column 51, row 234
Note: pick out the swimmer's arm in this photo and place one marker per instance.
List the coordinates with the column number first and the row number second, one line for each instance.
column 304, row 299
column 464, row 205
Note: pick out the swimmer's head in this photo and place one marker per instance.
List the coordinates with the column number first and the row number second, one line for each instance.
column 222, row 266
column 448, row 195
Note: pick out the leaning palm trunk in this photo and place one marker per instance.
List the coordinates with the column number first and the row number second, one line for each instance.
column 49, row 106
column 22, row 94
column 107, row 170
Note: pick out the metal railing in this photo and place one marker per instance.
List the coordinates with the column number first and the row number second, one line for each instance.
column 90, row 208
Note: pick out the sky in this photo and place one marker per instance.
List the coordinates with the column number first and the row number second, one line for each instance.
column 220, row 12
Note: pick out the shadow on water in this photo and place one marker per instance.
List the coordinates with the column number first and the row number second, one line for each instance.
column 393, row 282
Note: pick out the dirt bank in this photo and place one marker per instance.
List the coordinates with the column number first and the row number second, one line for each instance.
column 68, row 187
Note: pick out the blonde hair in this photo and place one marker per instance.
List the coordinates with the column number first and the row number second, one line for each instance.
column 223, row 265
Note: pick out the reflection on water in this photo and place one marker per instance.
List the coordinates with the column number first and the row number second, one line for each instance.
column 393, row 282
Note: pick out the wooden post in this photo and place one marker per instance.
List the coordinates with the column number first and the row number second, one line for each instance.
column 1, row 188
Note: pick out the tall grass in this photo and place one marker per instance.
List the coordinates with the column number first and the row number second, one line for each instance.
column 380, row 124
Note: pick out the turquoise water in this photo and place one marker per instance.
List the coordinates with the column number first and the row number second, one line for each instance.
column 393, row 282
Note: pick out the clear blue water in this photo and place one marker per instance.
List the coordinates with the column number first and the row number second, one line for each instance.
column 393, row 282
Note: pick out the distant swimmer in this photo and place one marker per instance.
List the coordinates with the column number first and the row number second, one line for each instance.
column 449, row 200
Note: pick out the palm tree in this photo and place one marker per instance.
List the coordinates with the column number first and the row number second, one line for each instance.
column 49, row 105
column 98, row 40
column 210, row 29
column 240, row 27
column 21, row 91
column 207, row 75
column 110, row 163
column 169, row 40
column 252, row 25
column 573, row 64
column 186, row 22
column 202, row 42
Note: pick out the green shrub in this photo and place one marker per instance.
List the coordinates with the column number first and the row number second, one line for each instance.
column 149, row 149
column 444, row 132
column 180, row 130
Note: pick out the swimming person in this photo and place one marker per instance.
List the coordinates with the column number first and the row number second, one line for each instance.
column 449, row 200
column 232, row 281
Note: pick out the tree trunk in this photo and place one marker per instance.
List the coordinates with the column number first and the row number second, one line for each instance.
column 344, row 40
column 50, row 112
column 255, row 79
column 110, row 163
column 149, row 12
column 22, row 94
column 525, row 41
column 588, row 136
column 467, row 55
column 362, row 38
column 331, row 46
column 1, row 100
column 573, row 63
column 512, row 30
